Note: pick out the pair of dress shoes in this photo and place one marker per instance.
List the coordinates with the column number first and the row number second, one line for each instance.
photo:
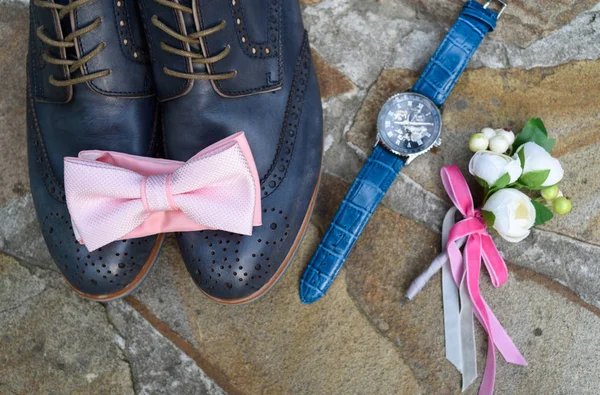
column 171, row 77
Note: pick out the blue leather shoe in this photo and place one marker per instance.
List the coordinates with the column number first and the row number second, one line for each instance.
column 241, row 65
column 89, row 87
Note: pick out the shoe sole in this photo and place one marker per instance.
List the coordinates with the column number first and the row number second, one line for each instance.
column 133, row 285
column 284, row 266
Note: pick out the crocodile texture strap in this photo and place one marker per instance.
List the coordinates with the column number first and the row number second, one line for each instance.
column 453, row 54
column 360, row 202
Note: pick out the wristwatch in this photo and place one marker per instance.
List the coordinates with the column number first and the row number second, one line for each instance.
column 409, row 125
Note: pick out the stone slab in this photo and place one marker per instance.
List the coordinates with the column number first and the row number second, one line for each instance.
column 14, row 26
column 158, row 366
column 276, row 345
column 523, row 21
column 362, row 38
column 52, row 341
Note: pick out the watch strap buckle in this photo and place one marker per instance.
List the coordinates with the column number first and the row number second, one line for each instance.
column 503, row 6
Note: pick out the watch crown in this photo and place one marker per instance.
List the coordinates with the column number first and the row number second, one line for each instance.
column 438, row 142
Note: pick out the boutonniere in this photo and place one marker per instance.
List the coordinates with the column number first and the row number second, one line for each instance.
column 520, row 178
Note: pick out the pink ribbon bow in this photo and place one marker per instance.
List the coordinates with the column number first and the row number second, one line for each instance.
column 114, row 196
column 479, row 245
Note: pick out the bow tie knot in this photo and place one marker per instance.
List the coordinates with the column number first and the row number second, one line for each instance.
column 156, row 193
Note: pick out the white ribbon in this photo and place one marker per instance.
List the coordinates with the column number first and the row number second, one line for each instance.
column 459, row 327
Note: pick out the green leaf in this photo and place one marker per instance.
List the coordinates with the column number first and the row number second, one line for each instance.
column 482, row 182
column 542, row 213
column 522, row 158
column 536, row 125
column 532, row 127
column 547, row 144
column 534, row 131
column 534, row 179
column 488, row 217
column 502, row 182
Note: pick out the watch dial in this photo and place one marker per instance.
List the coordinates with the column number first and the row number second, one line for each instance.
column 409, row 123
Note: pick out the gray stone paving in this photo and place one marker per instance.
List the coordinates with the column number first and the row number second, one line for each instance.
column 168, row 338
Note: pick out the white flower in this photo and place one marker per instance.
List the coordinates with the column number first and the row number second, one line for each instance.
column 499, row 144
column 478, row 142
column 488, row 133
column 536, row 158
column 514, row 214
column 507, row 134
column 490, row 166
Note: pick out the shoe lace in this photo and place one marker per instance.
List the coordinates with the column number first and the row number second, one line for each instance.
column 69, row 42
column 192, row 38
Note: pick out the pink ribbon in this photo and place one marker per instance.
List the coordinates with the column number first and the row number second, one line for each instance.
column 115, row 196
column 479, row 245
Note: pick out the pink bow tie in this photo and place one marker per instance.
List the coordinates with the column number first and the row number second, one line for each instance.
column 114, row 196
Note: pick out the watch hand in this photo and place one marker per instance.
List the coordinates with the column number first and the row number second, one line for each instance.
column 412, row 123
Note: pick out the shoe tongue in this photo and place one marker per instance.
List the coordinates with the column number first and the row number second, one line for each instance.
column 190, row 25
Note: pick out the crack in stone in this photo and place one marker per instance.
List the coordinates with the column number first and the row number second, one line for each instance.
column 506, row 61
column 183, row 345
column 123, row 356
column 576, row 240
column 554, row 286
column 28, row 264
column 21, row 303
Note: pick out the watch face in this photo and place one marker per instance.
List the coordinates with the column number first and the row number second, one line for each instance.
column 409, row 123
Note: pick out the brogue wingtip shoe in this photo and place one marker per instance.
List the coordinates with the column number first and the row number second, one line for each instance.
column 89, row 87
column 250, row 72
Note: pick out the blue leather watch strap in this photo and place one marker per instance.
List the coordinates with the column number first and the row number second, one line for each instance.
column 453, row 54
column 360, row 202
column 382, row 167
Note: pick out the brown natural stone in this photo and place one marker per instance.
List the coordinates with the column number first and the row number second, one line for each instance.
column 331, row 81
column 392, row 251
column 523, row 22
column 14, row 27
column 308, row 2
column 566, row 98
column 277, row 345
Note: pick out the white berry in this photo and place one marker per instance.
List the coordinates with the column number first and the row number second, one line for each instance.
column 507, row 134
column 478, row 142
column 489, row 133
column 499, row 144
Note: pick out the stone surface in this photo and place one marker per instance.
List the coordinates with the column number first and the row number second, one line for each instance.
column 522, row 23
column 566, row 98
column 14, row 26
column 168, row 338
column 52, row 341
column 158, row 366
column 362, row 38
column 20, row 233
column 557, row 335
column 19, row 230
column 276, row 345
column 331, row 81
column 160, row 294
column 501, row 98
